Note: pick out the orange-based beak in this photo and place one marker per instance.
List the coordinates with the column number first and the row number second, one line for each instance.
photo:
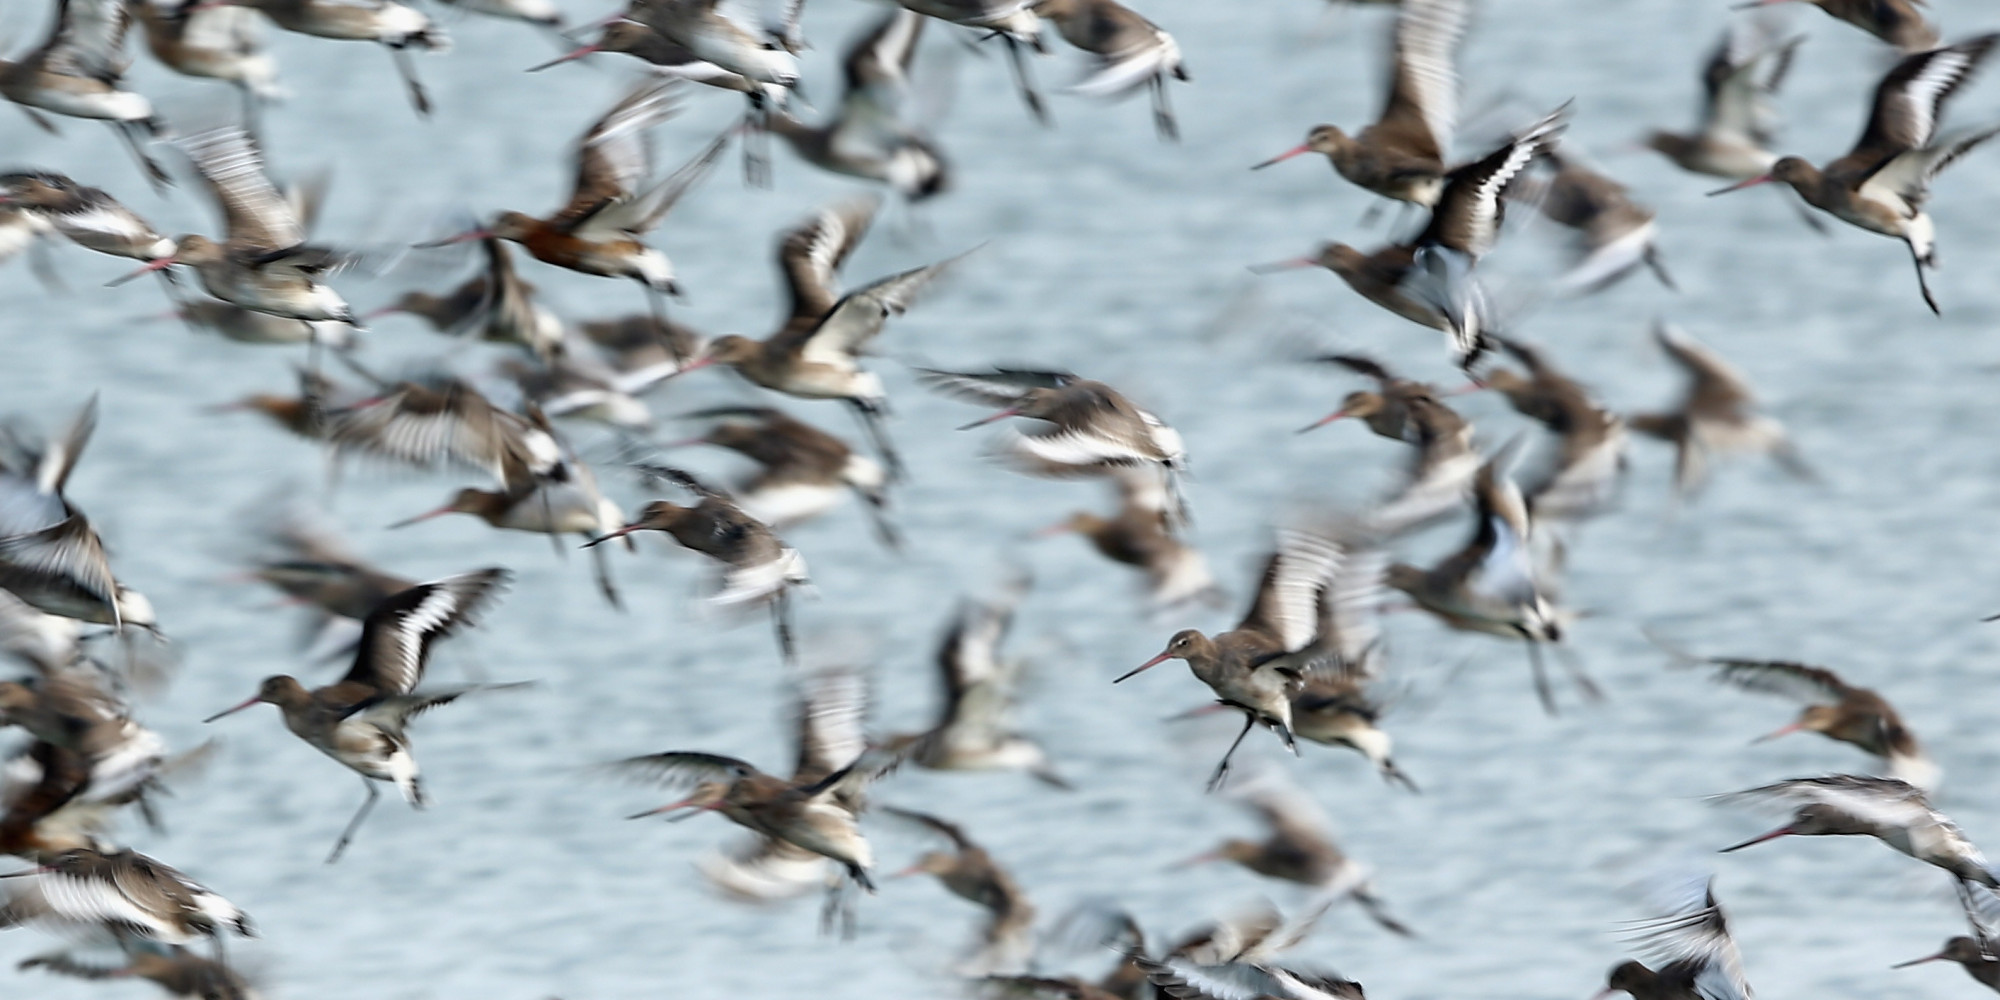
column 694, row 804
column 1290, row 264
column 1203, row 858
column 1143, row 667
column 232, row 711
column 1775, row 733
column 574, row 55
column 1782, row 831
column 1012, row 411
column 1740, row 185
column 1323, row 421
column 1919, row 961
column 620, row 533
column 158, row 264
column 1282, row 157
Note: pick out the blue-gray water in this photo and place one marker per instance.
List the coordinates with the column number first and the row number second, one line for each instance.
column 1112, row 254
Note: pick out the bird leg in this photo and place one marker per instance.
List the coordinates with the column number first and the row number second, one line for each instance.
column 1577, row 675
column 419, row 99
column 1018, row 58
column 756, row 144
column 1371, row 215
column 1659, row 268
column 1163, row 113
column 1923, row 281
column 1541, row 672
column 781, row 623
column 1222, row 768
column 600, row 569
column 1373, row 905
column 155, row 174
column 353, row 824
column 885, row 529
column 870, row 413
column 656, row 303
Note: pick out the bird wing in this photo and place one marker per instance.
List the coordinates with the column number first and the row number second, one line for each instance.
column 1717, row 386
column 396, row 637
column 65, row 556
column 830, row 718
column 1797, row 681
column 949, row 831
column 1695, row 932
column 1907, row 105
column 679, row 768
column 998, row 387
column 1423, row 86
column 859, row 316
column 89, row 39
column 254, row 213
column 1288, row 597
column 1884, row 802
column 615, row 156
column 811, row 252
column 1468, row 213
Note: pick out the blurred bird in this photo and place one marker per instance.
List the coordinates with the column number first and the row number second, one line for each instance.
column 182, row 973
column 1145, row 534
column 496, row 304
column 1014, row 22
column 1441, row 471
column 222, row 42
column 1007, row 943
column 1130, row 52
column 50, row 556
column 1695, row 956
column 1717, row 416
column 77, row 72
column 1895, row 812
column 1898, row 22
column 397, row 27
column 123, row 895
column 803, row 471
column 1738, row 123
column 871, row 137
column 1614, row 234
column 1589, row 465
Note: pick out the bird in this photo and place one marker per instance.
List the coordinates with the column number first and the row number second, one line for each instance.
column 304, row 560
column 1717, row 416
column 614, row 202
column 1092, row 427
column 1243, row 980
column 264, row 262
column 1892, row 811
column 974, row 727
column 871, row 137
column 1007, row 943
column 1403, row 155
column 1737, row 121
column 395, row 26
column 224, row 42
column 1145, row 535
column 496, row 304
column 1130, row 52
column 1440, row 474
column 803, row 471
column 77, row 72
column 1833, row 708
column 1588, row 467
column 1615, row 235
column 758, row 567
column 764, row 52
column 816, row 353
column 360, row 719
column 1491, row 584
column 1977, row 960
column 1014, row 22
column 1299, row 850
column 1691, row 946
column 1259, row 665
column 87, row 216
column 124, row 894
column 1898, row 22
column 1881, row 185
column 1378, row 277
column 182, row 973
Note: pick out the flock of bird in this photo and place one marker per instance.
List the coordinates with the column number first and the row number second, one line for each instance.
column 1307, row 663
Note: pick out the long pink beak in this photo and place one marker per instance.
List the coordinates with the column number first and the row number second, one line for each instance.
column 1323, row 421
column 1919, row 961
column 1012, row 411
column 620, row 533
column 1282, row 157
column 464, row 237
column 559, row 60
column 232, row 711
column 425, row 516
column 158, row 264
column 1775, row 733
column 1290, row 264
column 1603, row 993
column 1740, row 185
column 687, row 803
column 1059, row 528
column 694, row 365
column 1203, row 858
column 1782, row 831
column 1143, row 667
column 917, row 869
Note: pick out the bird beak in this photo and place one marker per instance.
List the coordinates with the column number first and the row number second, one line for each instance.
column 1323, row 421
column 1012, row 411
column 379, row 313
column 1058, row 528
column 1603, row 993
column 1774, row 734
column 1740, row 185
column 698, row 363
column 907, row 872
column 1200, row 859
column 1754, row 4
column 425, row 516
column 1773, row 835
column 1918, row 961
column 464, row 237
column 620, row 533
column 559, row 60
column 685, row 443
column 158, row 264
column 1282, row 157
column 671, row 806
column 231, row 711
column 1390, row 772
column 1143, row 667
column 1290, row 264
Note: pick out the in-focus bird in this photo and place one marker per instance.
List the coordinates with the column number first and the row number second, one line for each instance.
column 360, row 720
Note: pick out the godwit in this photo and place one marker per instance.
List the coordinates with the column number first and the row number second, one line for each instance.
column 1092, row 428
column 496, row 303
column 1737, row 123
column 1144, row 535
column 217, row 43
column 360, row 719
column 1238, row 980
column 763, row 52
column 1014, row 22
column 1007, row 942
column 1402, row 155
column 803, row 471
column 601, row 230
column 633, row 343
column 1583, row 479
column 1299, row 850
column 870, row 138
column 124, row 894
column 816, row 354
column 1833, row 708
column 758, row 567
column 247, row 326
column 86, row 216
column 1614, row 234
column 1977, row 959
column 397, row 27
column 809, row 815
column 1696, row 957
column 1130, row 52
column 1332, row 705
column 77, row 71
column 581, row 388
column 304, row 415
column 306, row 562
column 1377, row 277
column 974, row 730
column 1898, row 22
column 50, row 556
column 264, row 263
column 1491, row 585
column 1881, row 185
column 828, row 718
column 182, row 973
column 1257, row 666
column 1894, row 812
column 1717, row 416
column 1440, row 472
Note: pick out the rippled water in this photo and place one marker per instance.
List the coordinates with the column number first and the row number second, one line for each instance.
column 1115, row 255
